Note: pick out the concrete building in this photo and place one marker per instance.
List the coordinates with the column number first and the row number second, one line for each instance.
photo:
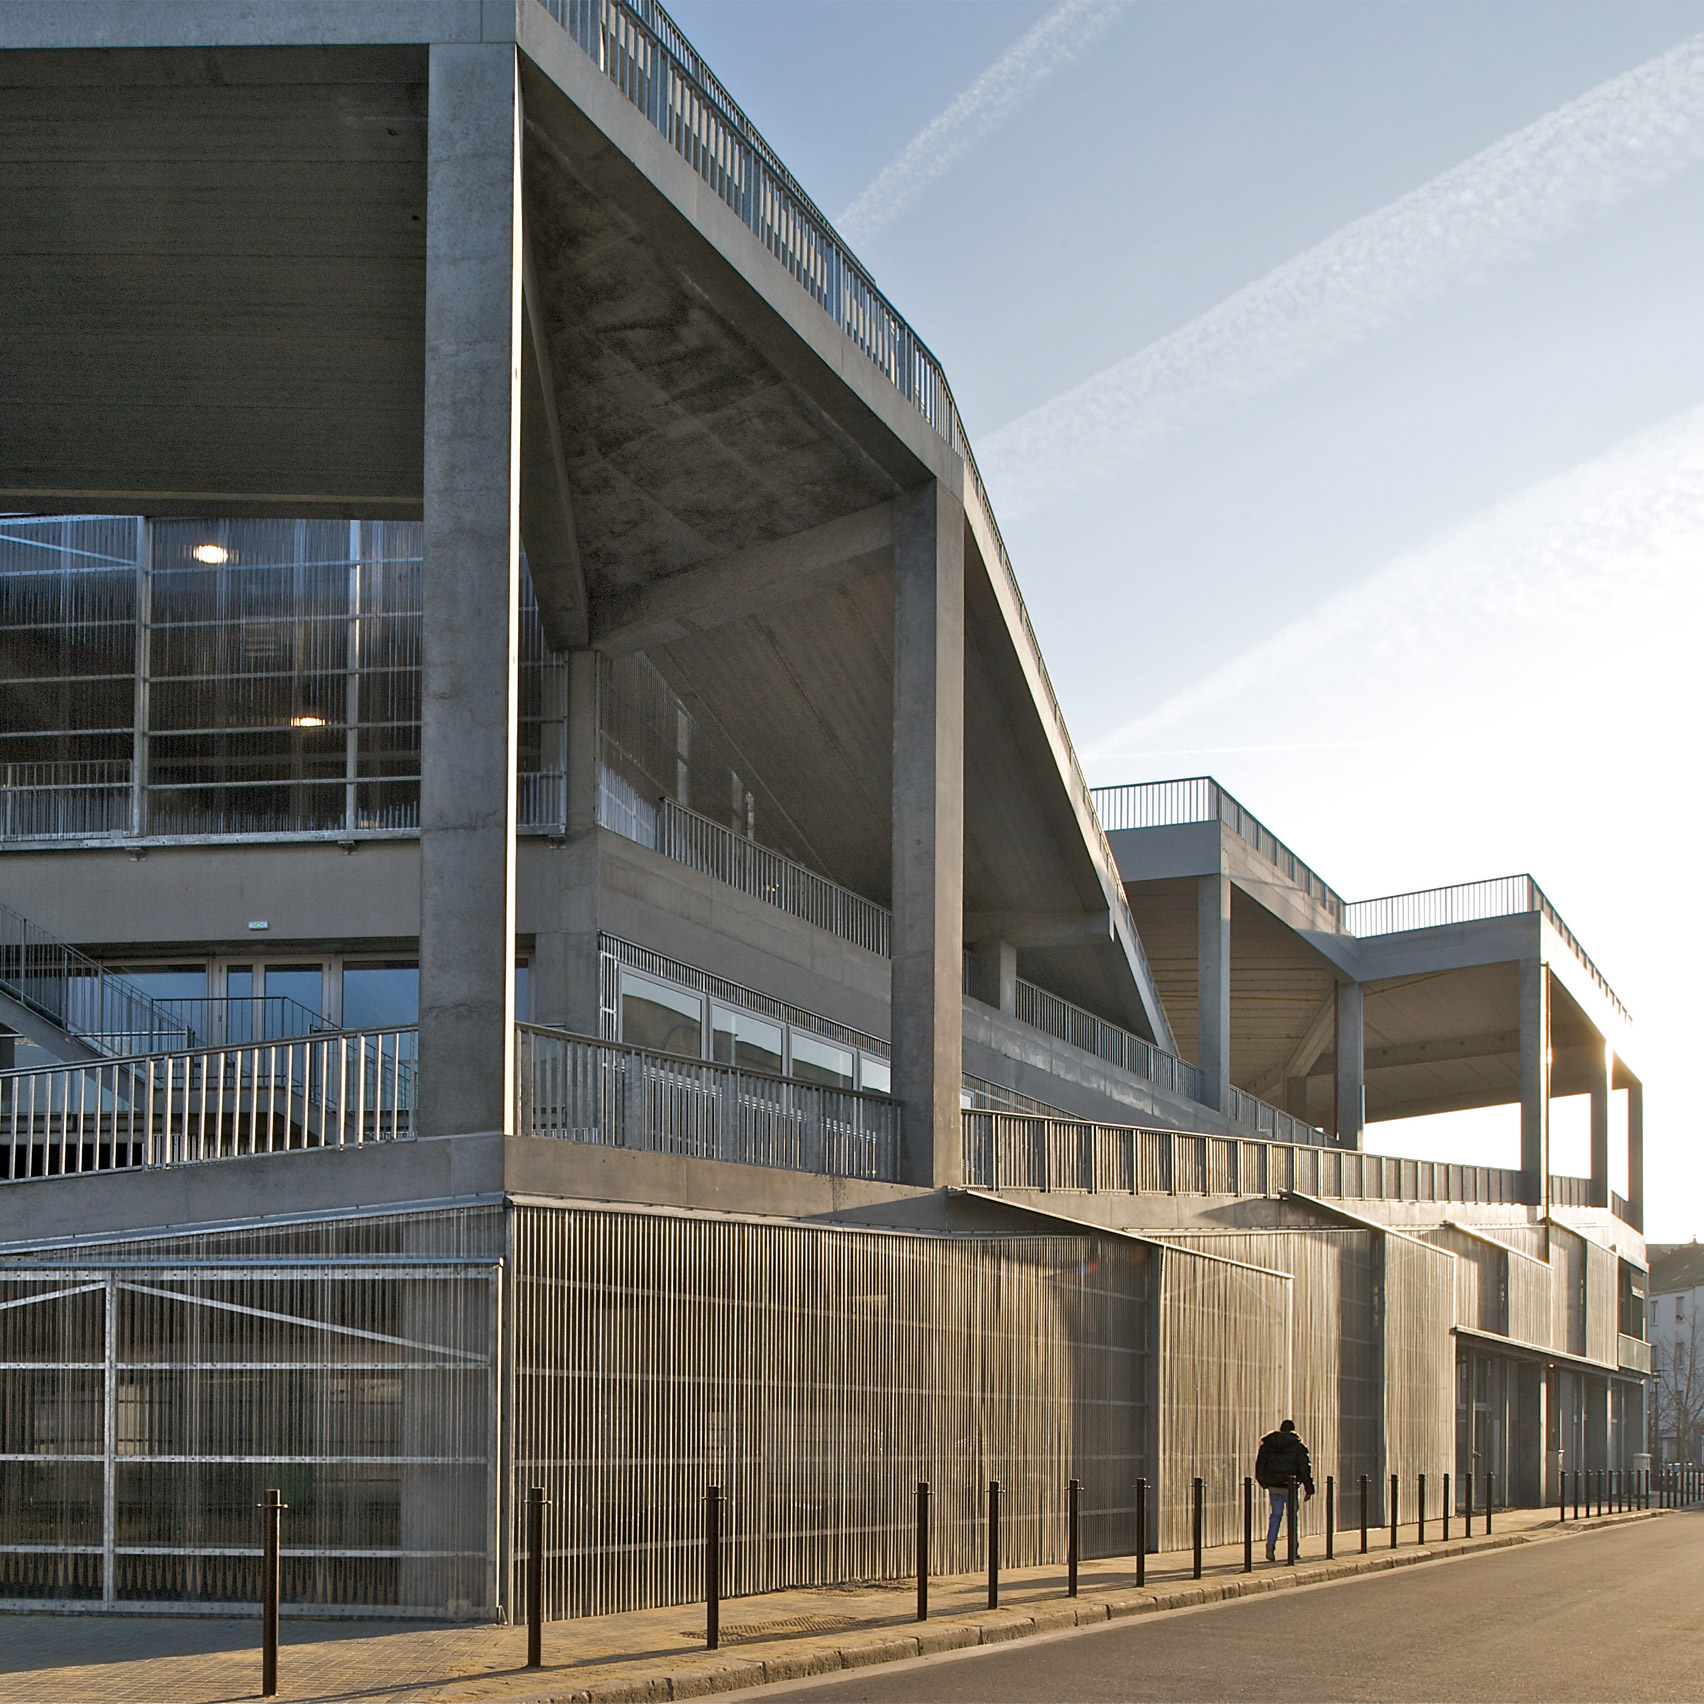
column 1677, row 1352
column 553, row 929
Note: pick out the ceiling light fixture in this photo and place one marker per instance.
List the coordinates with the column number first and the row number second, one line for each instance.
column 307, row 721
column 211, row 554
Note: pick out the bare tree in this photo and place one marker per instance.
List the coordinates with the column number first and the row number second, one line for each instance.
column 1677, row 1367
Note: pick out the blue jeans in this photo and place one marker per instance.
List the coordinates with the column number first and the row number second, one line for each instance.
column 1280, row 1504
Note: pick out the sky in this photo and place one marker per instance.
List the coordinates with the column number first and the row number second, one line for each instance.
column 1337, row 373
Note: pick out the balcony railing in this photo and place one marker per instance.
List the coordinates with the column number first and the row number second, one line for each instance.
column 716, row 851
column 1199, row 798
column 1014, row 1151
column 1471, row 902
column 65, row 800
column 580, row 1090
column 336, row 1090
column 1120, row 1047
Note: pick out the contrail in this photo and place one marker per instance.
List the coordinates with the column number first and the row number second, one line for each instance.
column 992, row 99
column 1532, row 187
column 1606, row 553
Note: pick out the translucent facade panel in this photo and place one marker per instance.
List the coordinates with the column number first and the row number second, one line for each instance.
column 1419, row 1356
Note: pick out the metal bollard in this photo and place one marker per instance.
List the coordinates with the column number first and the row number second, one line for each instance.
column 713, row 1567
column 1071, row 1541
column 1330, row 1517
column 993, row 1543
column 1290, row 1505
column 1141, row 1532
column 1363, row 1514
column 1395, row 1484
column 1468, row 1525
column 271, row 1525
column 536, row 1501
column 1248, row 1526
column 1420, row 1514
column 1576, row 1493
column 1490, row 1502
column 1448, row 1506
column 1562, row 1512
column 1195, row 1527
column 922, row 1549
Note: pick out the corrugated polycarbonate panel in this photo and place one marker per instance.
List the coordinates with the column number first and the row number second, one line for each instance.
column 1603, row 1304
column 1335, row 1360
column 1567, row 1291
column 816, row 1375
column 1419, row 1357
column 1224, row 1382
column 1531, row 1312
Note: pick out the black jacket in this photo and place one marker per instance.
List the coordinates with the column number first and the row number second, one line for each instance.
column 1283, row 1462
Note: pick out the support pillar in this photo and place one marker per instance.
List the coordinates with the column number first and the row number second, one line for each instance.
column 470, row 590
column 928, row 831
column 1213, row 989
column 1535, row 1082
column 1349, row 1099
column 994, row 974
column 1598, row 1074
column 1636, row 1155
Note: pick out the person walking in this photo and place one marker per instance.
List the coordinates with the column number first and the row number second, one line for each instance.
column 1281, row 1466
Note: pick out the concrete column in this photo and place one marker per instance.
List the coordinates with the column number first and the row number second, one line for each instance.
column 1636, row 1155
column 1598, row 1072
column 1350, row 1095
column 1535, row 1082
column 1213, row 988
column 928, row 831
column 470, row 589
column 994, row 974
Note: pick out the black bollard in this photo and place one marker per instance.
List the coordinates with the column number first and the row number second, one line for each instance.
column 1394, row 1485
column 1071, row 1541
column 1489, row 1502
column 1330, row 1517
column 1468, row 1528
column 535, row 1577
column 1448, row 1506
column 922, row 1549
column 1195, row 1527
column 271, row 1524
column 1577, row 1494
column 1363, row 1514
column 1290, row 1504
column 1141, row 1532
column 1248, row 1526
column 1420, row 1513
column 713, row 1568
column 1562, row 1512
column 993, row 1543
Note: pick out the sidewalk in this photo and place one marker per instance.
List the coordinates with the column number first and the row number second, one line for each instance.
column 659, row 1653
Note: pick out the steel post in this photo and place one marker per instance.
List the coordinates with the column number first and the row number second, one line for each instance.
column 713, row 1568
column 1141, row 1532
column 1363, row 1514
column 535, row 1577
column 1290, row 1503
column 1248, row 1526
column 271, row 1530
column 1394, row 1482
column 1071, row 1551
column 993, row 1543
column 1420, row 1512
column 1330, row 1517
column 922, row 1549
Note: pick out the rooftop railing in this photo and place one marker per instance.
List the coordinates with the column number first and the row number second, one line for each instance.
column 336, row 1090
column 1005, row 1150
column 1199, row 798
column 1471, row 902
column 644, row 54
column 580, row 1090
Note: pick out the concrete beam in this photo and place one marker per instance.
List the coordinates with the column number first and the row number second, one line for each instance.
column 745, row 582
column 1316, row 1039
column 470, row 591
column 1492, row 1044
column 928, row 831
column 1636, row 1155
column 1599, row 1067
column 1213, row 988
column 1535, row 1081
column 994, row 972
column 26, row 1024
column 547, row 502
column 1040, row 928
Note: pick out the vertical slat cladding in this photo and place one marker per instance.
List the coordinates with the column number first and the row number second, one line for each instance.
column 1419, row 1357
column 816, row 1375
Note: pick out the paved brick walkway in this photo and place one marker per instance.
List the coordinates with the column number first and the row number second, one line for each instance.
column 652, row 1654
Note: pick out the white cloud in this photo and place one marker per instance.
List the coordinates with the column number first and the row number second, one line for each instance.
column 1534, row 186
column 993, row 98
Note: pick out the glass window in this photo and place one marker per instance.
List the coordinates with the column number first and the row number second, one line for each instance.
column 302, row 983
column 743, row 1039
column 819, row 1061
column 381, row 992
column 874, row 1073
column 523, row 993
column 667, row 1020
column 168, row 981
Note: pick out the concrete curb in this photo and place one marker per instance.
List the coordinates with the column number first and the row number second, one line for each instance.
column 997, row 1627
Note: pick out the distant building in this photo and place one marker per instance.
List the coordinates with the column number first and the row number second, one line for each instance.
column 553, row 932
column 1677, row 1352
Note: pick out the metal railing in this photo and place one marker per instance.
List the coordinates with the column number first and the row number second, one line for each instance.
column 768, row 875
column 80, row 995
column 1471, row 902
column 1004, row 1150
column 1073, row 1025
column 337, row 1090
column 579, row 1090
column 236, row 1019
column 67, row 800
column 1199, row 798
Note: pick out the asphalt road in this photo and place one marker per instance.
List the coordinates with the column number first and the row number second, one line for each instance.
column 1615, row 1614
